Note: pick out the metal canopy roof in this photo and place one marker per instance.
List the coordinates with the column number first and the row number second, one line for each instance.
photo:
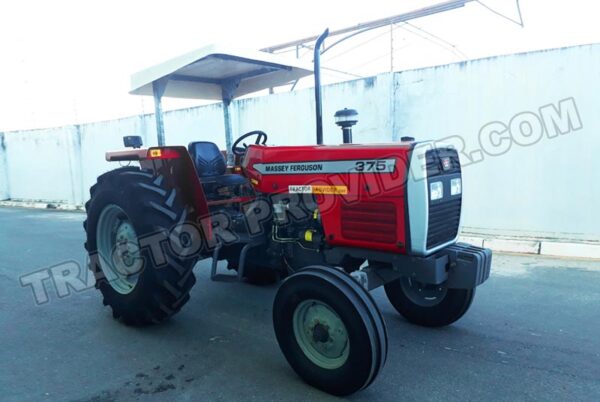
column 218, row 73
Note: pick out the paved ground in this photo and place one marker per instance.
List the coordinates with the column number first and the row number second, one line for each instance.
column 533, row 333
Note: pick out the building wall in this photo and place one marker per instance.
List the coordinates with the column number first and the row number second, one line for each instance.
column 4, row 189
column 40, row 164
column 548, row 187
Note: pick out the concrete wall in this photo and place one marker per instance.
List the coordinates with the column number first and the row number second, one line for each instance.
column 4, row 189
column 547, row 188
column 550, row 186
column 41, row 164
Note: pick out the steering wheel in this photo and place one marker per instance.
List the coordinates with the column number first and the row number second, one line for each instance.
column 261, row 139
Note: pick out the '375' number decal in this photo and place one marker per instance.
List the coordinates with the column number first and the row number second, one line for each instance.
column 371, row 166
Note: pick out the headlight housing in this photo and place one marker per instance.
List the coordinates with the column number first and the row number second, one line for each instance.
column 436, row 190
column 455, row 186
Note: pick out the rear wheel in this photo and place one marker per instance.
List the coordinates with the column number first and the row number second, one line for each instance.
column 330, row 330
column 428, row 305
column 129, row 216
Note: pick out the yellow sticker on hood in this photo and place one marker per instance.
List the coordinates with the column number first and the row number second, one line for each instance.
column 308, row 189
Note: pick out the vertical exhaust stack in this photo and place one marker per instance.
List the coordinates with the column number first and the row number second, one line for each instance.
column 346, row 118
column 318, row 102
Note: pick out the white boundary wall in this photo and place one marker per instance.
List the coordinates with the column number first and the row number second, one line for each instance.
column 547, row 189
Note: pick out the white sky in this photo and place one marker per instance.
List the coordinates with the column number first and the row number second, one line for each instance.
column 64, row 62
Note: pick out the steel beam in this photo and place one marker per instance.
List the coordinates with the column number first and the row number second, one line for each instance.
column 422, row 12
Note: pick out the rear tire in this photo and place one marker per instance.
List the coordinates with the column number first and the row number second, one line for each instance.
column 330, row 330
column 126, row 205
column 428, row 305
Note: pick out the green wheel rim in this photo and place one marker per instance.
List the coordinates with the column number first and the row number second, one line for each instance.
column 118, row 249
column 321, row 334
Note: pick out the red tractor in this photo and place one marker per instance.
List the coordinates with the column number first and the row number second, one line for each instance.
column 332, row 221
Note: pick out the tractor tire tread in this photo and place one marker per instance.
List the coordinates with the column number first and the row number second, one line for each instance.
column 161, row 210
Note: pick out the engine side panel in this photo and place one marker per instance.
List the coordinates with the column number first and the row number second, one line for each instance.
column 360, row 189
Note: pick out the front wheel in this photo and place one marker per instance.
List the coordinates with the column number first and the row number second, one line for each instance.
column 428, row 305
column 330, row 330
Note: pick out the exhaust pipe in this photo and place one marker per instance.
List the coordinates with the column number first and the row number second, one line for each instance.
column 346, row 118
column 317, row 72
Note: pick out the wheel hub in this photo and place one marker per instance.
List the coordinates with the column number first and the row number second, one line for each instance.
column 118, row 249
column 126, row 245
column 321, row 334
column 422, row 294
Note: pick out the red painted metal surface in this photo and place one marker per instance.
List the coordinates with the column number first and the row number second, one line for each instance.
column 366, row 209
column 177, row 166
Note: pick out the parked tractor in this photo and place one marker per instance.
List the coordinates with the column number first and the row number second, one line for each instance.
column 331, row 222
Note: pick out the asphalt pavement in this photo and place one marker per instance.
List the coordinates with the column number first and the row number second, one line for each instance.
column 532, row 333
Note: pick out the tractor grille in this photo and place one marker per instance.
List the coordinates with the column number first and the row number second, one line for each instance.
column 444, row 214
column 444, row 218
column 369, row 221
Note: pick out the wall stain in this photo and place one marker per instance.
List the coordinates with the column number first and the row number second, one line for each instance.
column 369, row 82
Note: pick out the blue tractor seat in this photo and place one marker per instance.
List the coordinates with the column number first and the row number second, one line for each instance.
column 211, row 168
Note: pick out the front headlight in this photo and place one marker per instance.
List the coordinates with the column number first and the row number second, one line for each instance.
column 455, row 186
column 436, row 190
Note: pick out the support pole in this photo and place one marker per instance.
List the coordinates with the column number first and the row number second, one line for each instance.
column 228, row 133
column 158, row 89
column 228, row 89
